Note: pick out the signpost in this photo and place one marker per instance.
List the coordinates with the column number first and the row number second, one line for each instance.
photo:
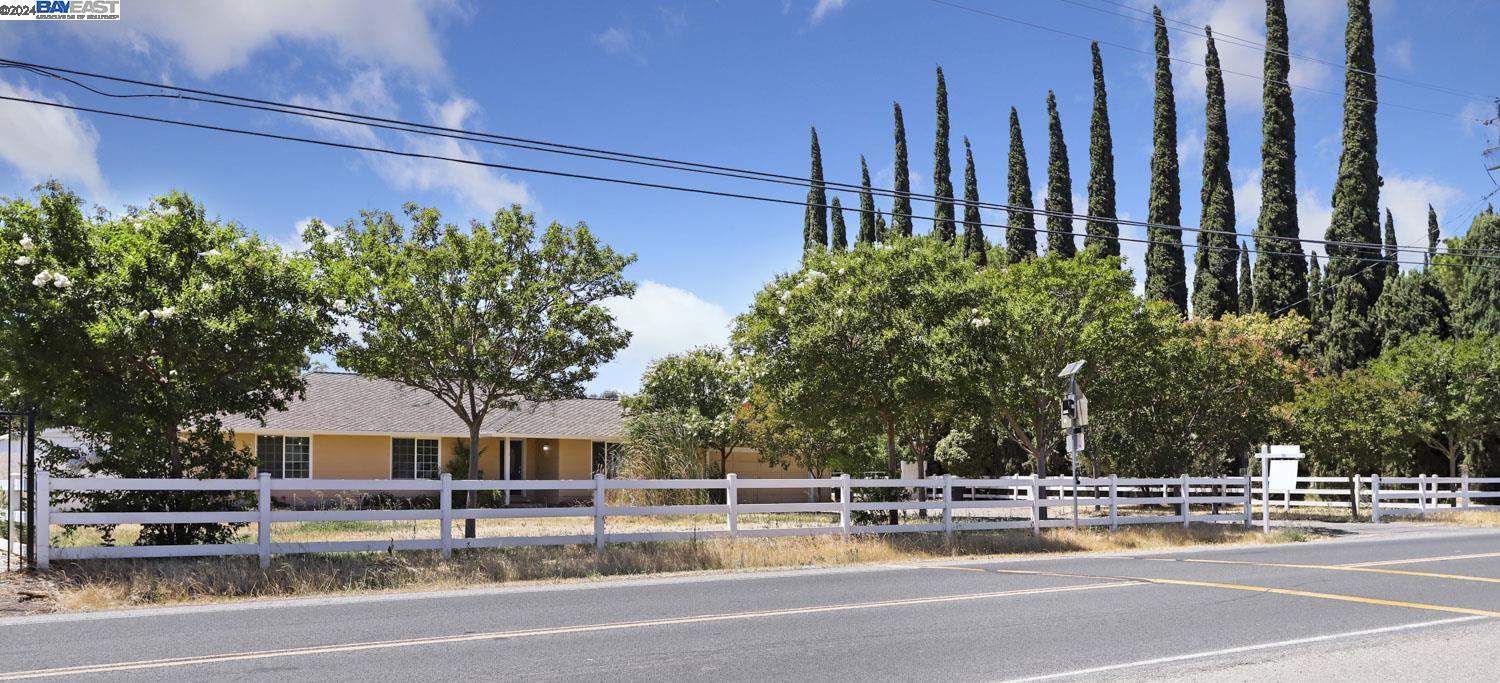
column 1278, row 471
column 1075, row 422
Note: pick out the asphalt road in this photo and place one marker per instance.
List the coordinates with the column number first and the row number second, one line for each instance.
column 1350, row 608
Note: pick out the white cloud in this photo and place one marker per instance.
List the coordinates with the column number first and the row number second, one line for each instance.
column 484, row 189
column 1400, row 53
column 1190, row 148
column 619, row 41
column 823, row 8
column 210, row 38
column 46, row 142
column 1407, row 198
column 663, row 320
column 1315, row 27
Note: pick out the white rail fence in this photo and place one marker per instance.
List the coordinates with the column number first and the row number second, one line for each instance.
column 1111, row 502
column 1380, row 496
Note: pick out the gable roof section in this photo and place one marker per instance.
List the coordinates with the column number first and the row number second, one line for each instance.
column 345, row 403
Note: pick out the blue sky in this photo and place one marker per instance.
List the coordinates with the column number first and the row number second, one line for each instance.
column 736, row 83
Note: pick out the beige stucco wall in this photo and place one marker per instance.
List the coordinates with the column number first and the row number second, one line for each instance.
column 746, row 464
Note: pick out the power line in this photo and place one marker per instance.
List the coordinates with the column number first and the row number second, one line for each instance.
column 1043, row 27
column 1191, row 29
column 532, row 144
column 607, row 179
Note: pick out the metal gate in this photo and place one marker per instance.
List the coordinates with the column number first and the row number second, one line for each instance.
column 19, row 431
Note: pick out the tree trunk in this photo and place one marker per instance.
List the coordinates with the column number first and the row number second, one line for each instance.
column 471, row 500
column 892, row 462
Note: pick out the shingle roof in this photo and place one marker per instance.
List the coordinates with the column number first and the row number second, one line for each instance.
column 344, row 403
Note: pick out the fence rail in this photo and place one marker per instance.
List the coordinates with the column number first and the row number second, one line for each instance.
column 1109, row 501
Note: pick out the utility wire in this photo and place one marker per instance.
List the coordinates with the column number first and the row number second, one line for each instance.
column 1043, row 27
column 412, row 127
column 606, row 179
column 1191, row 29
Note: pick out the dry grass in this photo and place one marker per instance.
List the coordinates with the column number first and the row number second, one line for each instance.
column 1489, row 519
column 102, row 584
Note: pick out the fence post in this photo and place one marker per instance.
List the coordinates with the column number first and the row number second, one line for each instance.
column 598, row 512
column 1375, row 498
column 1465, row 484
column 1036, row 526
column 1249, row 499
column 846, row 523
column 731, row 500
column 263, row 518
column 1422, row 495
column 445, row 514
column 1114, row 502
column 1186, row 493
column 948, row 508
column 41, row 520
column 1354, row 496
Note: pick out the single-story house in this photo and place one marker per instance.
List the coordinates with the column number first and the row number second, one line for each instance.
column 349, row 426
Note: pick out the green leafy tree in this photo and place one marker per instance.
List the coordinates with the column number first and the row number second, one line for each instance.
column 854, row 341
column 785, row 441
column 1477, row 300
column 1059, row 187
column 1412, row 304
column 1020, row 236
column 1247, row 278
column 1215, row 289
column 1166, row 267
column 1357, row 423
column 901, row 203
column 867, row 232
column 1034, row 317
column 1316, row 296
column 840, row 240
column 1457, row 386
column 881, row 232
column 1353, row 283
column 815, row 225
column 975, row 247
column 705, row 383
column 479, row 318
column 1280, row 274
column 942, row 171
column 142, row 331
column 1103, row 234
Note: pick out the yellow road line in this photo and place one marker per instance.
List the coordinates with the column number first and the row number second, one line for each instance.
column 506, row 635
column 1346, row 568
column 1340, row 597
column 1418, row 560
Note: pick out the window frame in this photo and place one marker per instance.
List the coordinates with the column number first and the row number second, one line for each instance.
column 416, row 441
column 611, row 453
column 280, row 473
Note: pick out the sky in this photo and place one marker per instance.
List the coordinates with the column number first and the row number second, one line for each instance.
column 731, row 83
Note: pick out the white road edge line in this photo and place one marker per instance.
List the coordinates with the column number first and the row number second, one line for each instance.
column 1243, row 648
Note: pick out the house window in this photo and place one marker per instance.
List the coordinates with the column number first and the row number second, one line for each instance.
column 414, row 458
column 606, row 458
column 518, row 459
column 284, row 457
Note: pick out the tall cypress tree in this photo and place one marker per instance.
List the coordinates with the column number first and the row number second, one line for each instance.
column 1215, row 288
column 942, row 171
column 974, row 246
column 1020, row 237
column 867, row 232
column 1059, row 187
column 1103, row 235
column 840, row 241
column 1315, row 297
column 1247, row 291
column 1166, row 267
column 1392, row 264
column 1349, row 336
column 901, row 205
column 881, row 231
column 1280, row 272
column 1432, row 235
column 815, row 222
